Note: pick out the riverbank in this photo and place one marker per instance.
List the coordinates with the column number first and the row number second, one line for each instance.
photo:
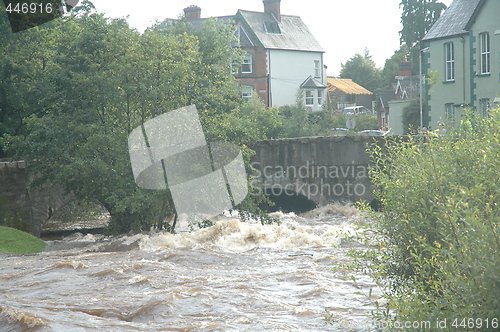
column 13, row 241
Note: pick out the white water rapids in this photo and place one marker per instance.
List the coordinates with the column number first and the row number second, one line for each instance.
column 233, row 276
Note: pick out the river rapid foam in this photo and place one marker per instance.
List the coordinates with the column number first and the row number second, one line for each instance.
column 233, row 276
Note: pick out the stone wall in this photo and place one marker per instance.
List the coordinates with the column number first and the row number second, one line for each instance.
column 24, row 208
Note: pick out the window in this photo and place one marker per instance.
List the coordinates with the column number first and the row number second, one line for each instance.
column 484, row 41
column 450, row 112
column 309, row 98
column 246, row 67
column 247, row 93
column 320, row 97
column 317, row 72
column 484, row 106
column 272, row 27
column 450, row 61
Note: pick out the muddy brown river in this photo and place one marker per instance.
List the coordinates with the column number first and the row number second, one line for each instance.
column 234, row 276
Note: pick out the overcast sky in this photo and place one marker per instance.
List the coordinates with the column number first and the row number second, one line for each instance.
column 342, row 27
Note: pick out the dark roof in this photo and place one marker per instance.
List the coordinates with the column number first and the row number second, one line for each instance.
column 455, row 20
column 386, row 96
column 289, row 34
column 312, row 83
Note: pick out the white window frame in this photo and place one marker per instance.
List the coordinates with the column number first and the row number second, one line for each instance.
column 317, row 72
column 320, row 97
column 309, row 98
column 449, row 110
column 484, row 47
column 484, row 107
column 247, row 92
column 449, row 50
column 247, row 65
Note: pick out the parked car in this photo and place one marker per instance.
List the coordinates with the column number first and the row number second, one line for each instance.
column 340, row 131
column 353, row 110
column 373, row 132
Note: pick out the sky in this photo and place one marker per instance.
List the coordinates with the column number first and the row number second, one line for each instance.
column 342, row 27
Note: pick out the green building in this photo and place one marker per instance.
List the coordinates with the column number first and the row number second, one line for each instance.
column 463, row 48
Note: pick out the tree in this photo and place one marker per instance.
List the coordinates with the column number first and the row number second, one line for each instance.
column 391, row 66
column 105, row 79
column 411, row 115
column 363, row 71
column 417, row 18
column 439, row 223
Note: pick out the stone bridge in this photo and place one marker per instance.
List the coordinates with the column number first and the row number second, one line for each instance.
column 303, row 172
column 25, row 208
column 298, row 174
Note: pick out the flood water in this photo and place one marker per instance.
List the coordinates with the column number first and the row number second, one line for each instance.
column 233, row 276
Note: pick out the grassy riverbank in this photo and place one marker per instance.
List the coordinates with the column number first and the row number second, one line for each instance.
column 13, row 241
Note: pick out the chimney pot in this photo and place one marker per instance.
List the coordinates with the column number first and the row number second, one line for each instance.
column 192, row 12
column 273, row 7
column 405, row 68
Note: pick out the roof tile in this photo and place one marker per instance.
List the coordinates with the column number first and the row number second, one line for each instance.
column 454, row 20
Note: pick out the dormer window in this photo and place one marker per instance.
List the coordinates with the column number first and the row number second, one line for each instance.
column 272, row 27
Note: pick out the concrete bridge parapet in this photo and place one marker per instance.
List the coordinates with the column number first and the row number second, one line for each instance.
column 323, row 169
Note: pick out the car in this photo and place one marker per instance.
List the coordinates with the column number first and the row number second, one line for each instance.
column 353, row 110
column 340, row 131
column 373, row 132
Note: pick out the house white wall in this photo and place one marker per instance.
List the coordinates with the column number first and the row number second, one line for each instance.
column 395, row 124
column 288, row 70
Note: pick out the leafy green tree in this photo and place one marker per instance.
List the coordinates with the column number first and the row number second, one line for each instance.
column 439, row 228
column 411, row 115
column 250, row 122
column 417, row 18
column 105, row 79
column 363, row 71
column 296, row 122
column 26, row 67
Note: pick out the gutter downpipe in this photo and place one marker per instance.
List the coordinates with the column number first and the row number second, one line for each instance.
column 269, row 93
column 463, row 71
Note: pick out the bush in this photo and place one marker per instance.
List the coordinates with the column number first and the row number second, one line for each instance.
column 440, row 223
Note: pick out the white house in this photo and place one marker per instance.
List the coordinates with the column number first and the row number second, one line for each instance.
column 282, row 58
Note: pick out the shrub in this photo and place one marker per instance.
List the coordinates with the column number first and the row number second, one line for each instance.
column 441, row 224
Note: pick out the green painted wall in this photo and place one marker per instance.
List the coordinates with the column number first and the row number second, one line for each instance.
column 468, row 88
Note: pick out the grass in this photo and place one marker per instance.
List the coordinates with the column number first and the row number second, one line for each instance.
column 13, row 241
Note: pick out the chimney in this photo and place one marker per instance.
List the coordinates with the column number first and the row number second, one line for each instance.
column 192, row 12
column 273, row 7
column 405, row 68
